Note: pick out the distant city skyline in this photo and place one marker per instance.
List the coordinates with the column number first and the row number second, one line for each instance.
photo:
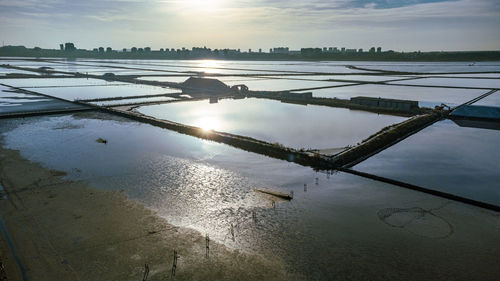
column 401, row 25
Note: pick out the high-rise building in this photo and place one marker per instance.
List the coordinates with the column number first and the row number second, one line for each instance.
column 69, row 46
column 281, row 50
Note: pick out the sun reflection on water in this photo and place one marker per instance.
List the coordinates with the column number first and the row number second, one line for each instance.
column 210, row 66
column 209, row 123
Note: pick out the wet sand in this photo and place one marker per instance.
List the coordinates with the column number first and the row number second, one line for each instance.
column 64, row 230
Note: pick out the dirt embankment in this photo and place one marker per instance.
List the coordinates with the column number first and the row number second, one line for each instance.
column 64, row 230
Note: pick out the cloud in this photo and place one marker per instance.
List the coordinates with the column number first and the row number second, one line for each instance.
column 251, row 23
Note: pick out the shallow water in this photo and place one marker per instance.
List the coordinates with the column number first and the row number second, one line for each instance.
column 238, row 67
column 338, row 226
column 56, row 82
column 426, row 96
column 5, row 71
column 491, row 100
column 286, row 84
column 106, row 91
column 367, row 78
column 13, row 102
column 431, row 67
column 292, row 125
column 445, row 157
column 474, row 75
column 462, row 82
column 136, row 100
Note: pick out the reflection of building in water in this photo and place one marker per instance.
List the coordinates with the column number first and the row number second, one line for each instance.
column 213, row 99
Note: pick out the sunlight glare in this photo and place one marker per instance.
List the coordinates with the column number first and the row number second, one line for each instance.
column 209, row 124
column 202, row 5
column 209, row 66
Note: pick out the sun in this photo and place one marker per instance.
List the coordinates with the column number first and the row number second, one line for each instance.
column 202, row 5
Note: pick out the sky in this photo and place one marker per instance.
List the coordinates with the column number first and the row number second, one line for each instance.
column 401, row 25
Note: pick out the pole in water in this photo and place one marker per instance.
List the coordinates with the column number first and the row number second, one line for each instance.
column 146, row 272
column 305, row 187
column 232, row 231
column 207, row 239
column 174, row 266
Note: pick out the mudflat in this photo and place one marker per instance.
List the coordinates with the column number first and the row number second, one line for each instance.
column 57, row 229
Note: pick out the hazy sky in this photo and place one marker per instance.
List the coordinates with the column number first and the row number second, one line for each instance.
column 393, row 24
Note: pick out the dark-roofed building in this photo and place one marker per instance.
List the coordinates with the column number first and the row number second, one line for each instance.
column 195, row 85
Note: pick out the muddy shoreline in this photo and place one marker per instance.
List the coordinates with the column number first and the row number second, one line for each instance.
column 65, row 230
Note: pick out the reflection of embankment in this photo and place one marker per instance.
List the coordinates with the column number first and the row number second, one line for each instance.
column 384, row 138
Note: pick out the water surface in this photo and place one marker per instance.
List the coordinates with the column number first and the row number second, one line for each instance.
column 292, row 125
column 105, row 91
column 445, row 157
column 426, row 96
column 491, row 100
column 462, row 82
column 56, row 82
column 339, row 226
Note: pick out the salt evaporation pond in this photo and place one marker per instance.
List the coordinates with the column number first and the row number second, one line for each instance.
column 109, row 91
column 180, row 79
column 292, row 125
column 56, row 82
column 285, row 84
column 454, row 82
column 445, row 157
column 426, row 96
column 343, row 227
column 12, row 102
column 5, row 71
column 134, row 101
column 491, row 100
column 431, row 67
column 467, row 75
column 239, row 67
column 367, row 78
